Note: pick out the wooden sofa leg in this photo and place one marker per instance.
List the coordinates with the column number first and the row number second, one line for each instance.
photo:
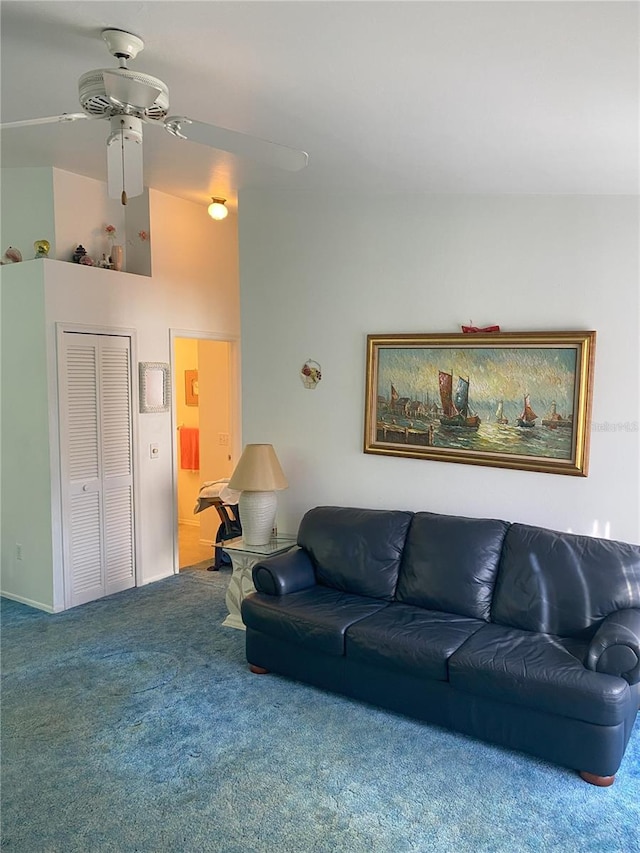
column 600, row 781
column 258, row 670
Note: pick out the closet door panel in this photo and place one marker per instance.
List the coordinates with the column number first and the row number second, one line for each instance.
column 117, row 463
column 115, row 409
column 97, row 466
column 83, row 512
column 85, row 550
column 120, row 567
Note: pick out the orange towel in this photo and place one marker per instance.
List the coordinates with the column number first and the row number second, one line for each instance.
column 190, row 448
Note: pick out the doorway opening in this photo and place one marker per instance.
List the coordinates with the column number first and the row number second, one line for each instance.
column 205, row 414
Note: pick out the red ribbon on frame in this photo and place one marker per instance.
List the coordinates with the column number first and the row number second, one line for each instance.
column 472, row 330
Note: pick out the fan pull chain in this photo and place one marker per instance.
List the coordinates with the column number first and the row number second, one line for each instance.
column 123, row 197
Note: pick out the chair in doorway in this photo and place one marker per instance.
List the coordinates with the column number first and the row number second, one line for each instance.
column 225, row 500
column 230, row 528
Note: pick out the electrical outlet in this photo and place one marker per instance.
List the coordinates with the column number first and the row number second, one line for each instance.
column 223, row 439
column 18, row 551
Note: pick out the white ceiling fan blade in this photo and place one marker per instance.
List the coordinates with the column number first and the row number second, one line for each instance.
column 238, row 143
column 126, row 91
column 47, row 120
column 124, row 158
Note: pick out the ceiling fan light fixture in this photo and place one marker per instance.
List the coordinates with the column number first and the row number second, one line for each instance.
column 124, row 158
column 217, row 209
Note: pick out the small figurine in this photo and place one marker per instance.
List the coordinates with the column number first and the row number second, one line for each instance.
column 79, row 253
column 12, row 256
column 42, row 248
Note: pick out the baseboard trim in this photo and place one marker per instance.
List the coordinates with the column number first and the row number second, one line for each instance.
column 155, row 578
column 37, row 605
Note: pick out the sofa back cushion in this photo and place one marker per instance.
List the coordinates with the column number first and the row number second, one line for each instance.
column 450, row 563
column 562, row 583
column 355, row 550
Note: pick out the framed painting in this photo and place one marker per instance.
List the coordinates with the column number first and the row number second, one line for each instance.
column 191, row 387
column 509, row 400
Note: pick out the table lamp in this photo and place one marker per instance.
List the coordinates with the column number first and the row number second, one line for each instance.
column 257, row 476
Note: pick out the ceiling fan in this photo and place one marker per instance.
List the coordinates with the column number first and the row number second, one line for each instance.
column 130, row 98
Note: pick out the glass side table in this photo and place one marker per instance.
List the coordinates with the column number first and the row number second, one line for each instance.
column 243, row 558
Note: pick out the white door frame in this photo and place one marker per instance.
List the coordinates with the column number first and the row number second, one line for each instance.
column 60, row 591
column 235, row 413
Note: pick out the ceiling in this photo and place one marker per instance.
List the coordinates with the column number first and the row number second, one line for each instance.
column 404, row 97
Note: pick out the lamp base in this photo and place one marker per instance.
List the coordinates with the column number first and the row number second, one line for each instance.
column 257, row 516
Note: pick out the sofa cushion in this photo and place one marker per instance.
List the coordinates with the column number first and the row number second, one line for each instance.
column 355, row 550
column 562, row 583
column 538, row 671
column 316, row 618
column 450, row 563
column 409, row 639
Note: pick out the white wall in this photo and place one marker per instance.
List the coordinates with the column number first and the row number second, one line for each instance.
column 320, row 273
column 194, row 288
column 26, row 210
column 25, row 489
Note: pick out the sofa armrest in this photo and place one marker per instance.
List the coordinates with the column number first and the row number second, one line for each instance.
column 284, row 573
column 615, row 648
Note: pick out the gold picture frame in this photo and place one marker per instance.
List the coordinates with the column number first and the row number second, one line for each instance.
column 472, row 399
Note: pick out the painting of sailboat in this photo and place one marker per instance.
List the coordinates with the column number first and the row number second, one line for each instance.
column 460, row 398
column 500, row 418
column 455, row 407
column 528, row 417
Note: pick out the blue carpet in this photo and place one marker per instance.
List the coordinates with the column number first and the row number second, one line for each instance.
column 133, row 724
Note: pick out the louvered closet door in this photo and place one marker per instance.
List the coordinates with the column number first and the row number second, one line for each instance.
column 97, row 466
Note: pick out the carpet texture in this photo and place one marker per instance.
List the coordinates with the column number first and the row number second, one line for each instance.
column 133, row 724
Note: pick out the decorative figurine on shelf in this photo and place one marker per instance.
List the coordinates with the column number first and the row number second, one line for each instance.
column 116, row 253
column 12, row 256
column 116, row 258
column 42, row 248
column 79, row 253
column 104, row 263
column 310, row 374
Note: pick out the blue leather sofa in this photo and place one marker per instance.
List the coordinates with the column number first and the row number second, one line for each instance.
column 517, row 635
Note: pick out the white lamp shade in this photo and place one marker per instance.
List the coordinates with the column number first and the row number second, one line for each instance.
column 258, row 470
column 257, row 475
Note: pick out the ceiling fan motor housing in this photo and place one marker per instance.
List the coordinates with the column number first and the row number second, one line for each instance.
column 95, row 101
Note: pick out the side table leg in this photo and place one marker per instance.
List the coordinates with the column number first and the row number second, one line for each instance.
column 240, row 585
